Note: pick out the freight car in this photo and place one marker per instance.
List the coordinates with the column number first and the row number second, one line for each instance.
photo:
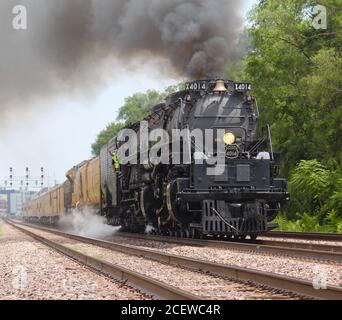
column 46, row 207
column 185, row 198
column 81, row 189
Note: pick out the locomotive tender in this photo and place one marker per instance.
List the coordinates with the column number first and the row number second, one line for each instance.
column 185, row 198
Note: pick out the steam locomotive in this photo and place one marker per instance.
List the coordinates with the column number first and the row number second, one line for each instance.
column 236, row 197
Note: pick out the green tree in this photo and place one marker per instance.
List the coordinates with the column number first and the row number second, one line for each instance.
column 104, row 136
column 296, row 71
column 135, row 108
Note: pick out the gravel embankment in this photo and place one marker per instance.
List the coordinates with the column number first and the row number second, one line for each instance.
column 291, row 266
column 206, row 286
column 30, row 270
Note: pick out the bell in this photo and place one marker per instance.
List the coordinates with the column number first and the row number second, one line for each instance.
column 220, row 86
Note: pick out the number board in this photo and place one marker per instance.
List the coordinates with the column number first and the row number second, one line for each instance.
column 196, row 86
column 242, row 86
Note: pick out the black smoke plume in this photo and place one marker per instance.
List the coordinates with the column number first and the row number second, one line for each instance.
column 66, row 41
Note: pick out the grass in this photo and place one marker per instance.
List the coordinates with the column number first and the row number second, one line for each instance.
column 2, row 232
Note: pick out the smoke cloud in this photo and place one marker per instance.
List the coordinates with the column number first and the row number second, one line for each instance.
column 86, row 223
column 66, row 41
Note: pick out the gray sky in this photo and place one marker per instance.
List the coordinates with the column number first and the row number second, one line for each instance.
column 60, row 130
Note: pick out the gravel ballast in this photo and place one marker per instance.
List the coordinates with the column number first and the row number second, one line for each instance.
column 30, row 270
column 204, row 285
column 297, row 267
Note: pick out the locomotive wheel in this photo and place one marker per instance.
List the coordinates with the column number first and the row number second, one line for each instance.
column 177, row 211
column 187, row 233
column 253, row 237
column 150, row 205
column 132, row 223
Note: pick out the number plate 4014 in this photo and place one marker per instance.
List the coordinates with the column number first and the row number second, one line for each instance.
column 243, row 86
column 196, row 86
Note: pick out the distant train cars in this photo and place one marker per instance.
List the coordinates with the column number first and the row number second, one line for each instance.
column 46, row 207
column 81, row 189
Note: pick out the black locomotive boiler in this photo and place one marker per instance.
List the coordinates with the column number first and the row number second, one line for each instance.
column 182, row 198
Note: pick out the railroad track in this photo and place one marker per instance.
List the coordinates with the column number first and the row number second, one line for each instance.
column 294, row 249
column 128, row 277
column 305, row 235
column 287, row 284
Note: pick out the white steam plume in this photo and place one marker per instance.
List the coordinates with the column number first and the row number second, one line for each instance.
column 86, row 223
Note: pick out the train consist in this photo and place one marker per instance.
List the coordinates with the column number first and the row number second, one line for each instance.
column 182, row 198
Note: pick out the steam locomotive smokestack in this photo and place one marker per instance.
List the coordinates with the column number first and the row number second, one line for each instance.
column 66, row 40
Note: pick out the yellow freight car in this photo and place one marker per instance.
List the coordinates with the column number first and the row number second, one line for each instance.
column 46, row 207
column 82, row 189
column 85, row 181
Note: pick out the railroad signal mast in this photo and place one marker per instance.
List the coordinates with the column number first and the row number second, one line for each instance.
column 26, row 182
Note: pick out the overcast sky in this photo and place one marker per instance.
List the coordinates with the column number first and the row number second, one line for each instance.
column 60, row 133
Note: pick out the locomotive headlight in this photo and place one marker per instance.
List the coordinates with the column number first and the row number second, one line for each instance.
column 229, row 138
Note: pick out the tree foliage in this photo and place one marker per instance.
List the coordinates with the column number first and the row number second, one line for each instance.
column 296, row 71
column 135, row 108
column 105, row 135
column 297, row 75
column 316, row 203
column 315, row 189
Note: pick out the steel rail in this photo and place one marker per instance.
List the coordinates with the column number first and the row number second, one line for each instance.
column 151, row 286
column 305, row 235
column 294, row 249
column 302, row 245
column 271, row 280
